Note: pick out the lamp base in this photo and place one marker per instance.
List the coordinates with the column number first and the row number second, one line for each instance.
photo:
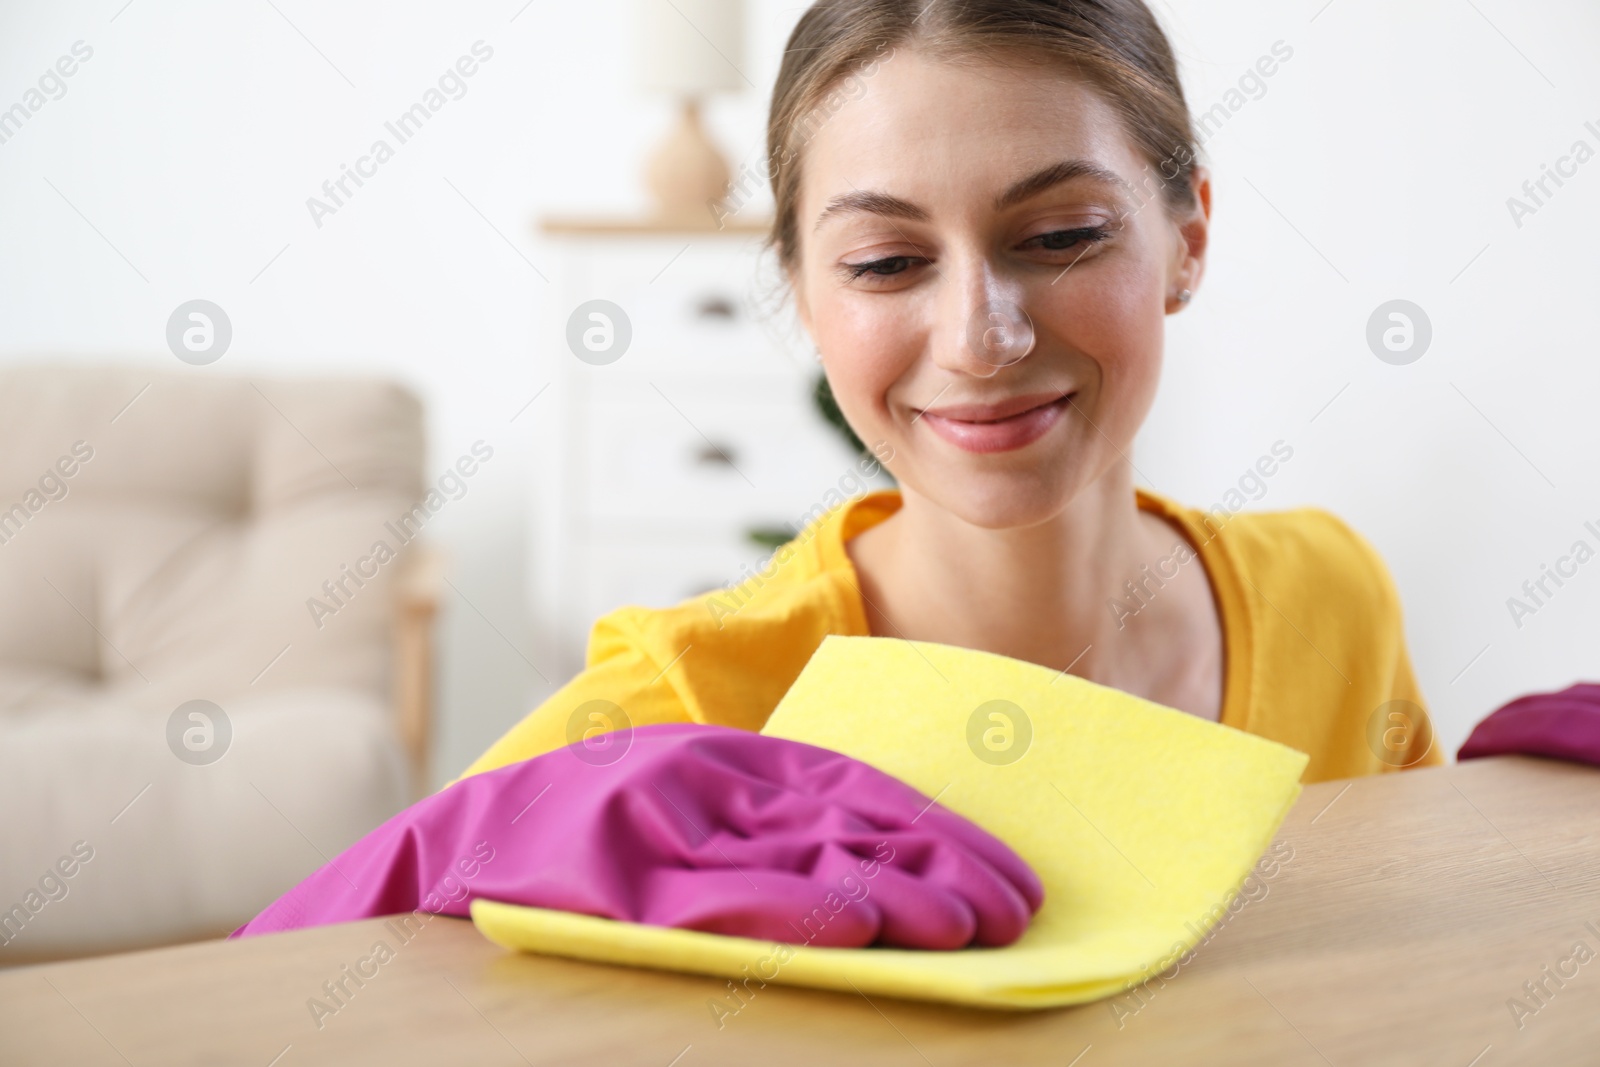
column 686, row 174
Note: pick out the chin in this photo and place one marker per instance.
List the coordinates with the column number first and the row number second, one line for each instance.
column 995, row 500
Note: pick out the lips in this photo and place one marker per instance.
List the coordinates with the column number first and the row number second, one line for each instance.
column 1002, row 426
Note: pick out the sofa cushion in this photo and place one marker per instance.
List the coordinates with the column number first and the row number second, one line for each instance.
column 165, row 536
column 178, row 851
column 201, row 518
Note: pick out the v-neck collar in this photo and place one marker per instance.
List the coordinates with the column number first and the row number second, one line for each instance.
column 1221, row 569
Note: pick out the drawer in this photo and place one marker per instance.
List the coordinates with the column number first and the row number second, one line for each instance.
column 703, row 303
column 674, row 451
column 660, row 572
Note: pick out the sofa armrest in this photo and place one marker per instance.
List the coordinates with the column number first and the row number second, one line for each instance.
column 417, row 593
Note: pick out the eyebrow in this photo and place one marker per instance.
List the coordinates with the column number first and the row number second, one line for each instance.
column 874, row 203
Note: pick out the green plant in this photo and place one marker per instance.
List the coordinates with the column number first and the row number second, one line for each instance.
column 822, row 399
column 828, row 408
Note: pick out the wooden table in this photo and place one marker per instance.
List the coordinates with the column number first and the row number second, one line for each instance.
column 1413, row 909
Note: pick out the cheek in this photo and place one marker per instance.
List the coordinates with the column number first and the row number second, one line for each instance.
column 1115, row 319
column 867, row 345
column 1141, row 329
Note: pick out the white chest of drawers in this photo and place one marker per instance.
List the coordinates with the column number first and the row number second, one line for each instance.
column 653, row 468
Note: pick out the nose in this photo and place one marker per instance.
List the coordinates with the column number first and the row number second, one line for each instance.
column 984, row 326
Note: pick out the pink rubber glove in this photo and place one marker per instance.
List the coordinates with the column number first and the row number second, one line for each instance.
column 1561, row 725
column 699, row 827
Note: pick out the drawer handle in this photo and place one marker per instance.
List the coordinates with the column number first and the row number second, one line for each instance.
column 715, row 455
column 715, row 307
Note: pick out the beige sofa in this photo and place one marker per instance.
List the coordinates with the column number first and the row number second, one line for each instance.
column 165, row 535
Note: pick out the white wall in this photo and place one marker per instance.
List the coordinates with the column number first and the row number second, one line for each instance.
column 1375, row 165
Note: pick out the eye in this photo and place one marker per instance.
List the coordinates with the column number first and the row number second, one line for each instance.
column 1062, row 240
column 879, row 267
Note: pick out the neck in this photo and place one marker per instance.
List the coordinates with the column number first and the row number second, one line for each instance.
column 1042, row 593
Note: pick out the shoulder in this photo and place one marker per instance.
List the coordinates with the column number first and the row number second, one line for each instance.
column 1305, row 553
column 1317, row 619
column 731, row 653
column 764, row 606
column 1301, row 590
column 1326, row 632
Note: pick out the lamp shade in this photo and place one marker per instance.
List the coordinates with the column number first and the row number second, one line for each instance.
column 690, row 47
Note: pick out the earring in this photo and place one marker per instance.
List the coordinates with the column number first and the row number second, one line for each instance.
column 1184, row 295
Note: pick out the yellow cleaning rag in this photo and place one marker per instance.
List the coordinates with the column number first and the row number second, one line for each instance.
column 1141, row 821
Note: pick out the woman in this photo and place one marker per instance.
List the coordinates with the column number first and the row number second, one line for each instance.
column 985, row 210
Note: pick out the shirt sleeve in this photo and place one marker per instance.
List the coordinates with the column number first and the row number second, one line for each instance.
column 622, row 686
column 1388, row 738
column 1423, row 747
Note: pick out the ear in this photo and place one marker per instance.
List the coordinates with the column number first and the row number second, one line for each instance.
column 1193, row 233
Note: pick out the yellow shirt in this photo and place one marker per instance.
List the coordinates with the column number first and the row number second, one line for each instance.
column 1312, row 636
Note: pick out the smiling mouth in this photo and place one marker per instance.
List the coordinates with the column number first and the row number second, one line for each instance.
column 1002, row 427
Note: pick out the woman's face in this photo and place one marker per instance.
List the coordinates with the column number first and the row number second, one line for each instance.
column 927, row 217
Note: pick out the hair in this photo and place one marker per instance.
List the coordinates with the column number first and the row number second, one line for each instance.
column 1116, row 45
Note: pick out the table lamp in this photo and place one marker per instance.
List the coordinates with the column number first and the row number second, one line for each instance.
column 690, row 49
